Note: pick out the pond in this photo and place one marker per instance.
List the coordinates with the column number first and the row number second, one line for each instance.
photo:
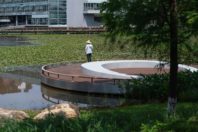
column 14, row 41
column 21, row 89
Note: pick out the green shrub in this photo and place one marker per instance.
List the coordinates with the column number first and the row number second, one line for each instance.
column 155, row 87
column 176, row 125
column 151, row 87
column 188, row 86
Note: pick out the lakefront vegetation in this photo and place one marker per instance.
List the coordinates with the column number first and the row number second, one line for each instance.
column 149, row 114
column 53, row 48
column 138, row 29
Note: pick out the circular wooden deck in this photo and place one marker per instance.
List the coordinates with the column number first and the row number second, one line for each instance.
column 71, row 77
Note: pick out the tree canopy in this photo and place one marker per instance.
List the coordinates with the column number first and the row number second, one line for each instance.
column 150, row 19
column 154, row 22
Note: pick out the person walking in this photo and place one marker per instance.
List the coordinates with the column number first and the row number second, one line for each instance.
column 89, row 50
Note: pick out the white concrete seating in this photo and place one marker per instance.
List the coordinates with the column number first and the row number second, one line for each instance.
column 102, row 68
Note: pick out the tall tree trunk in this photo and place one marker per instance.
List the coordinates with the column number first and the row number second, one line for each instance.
column 172, row 99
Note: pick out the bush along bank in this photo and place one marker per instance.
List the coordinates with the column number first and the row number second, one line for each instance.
column 154, row 87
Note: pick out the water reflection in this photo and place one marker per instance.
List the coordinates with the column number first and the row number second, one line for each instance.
column 22, row 86
column 80, row 99
column 13, row 86
column 21, row 89
column 13, row 41
column 17, row 94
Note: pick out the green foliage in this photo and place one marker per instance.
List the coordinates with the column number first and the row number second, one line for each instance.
column 151, row 87
column 157, row 127
column 188, row 51
column 188, row 86
column 146, row 118
column 50, row 124
column 150, row 19
column 155, row 87
column 176, row 125
column 185, row 120
column 111, row 120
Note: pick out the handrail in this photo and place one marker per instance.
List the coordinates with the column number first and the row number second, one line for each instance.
column 73, row 76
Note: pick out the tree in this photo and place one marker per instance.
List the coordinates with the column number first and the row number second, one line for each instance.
column 154, row 22
column 172, row 99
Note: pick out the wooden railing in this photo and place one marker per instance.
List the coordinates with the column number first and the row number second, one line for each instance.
column 72, row 77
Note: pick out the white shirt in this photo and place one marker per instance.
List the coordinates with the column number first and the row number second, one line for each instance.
column 89, row 49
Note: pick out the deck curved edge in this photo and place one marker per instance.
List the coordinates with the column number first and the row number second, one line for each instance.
column 84, row 87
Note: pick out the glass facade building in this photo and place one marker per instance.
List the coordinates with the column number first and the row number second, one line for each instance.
column 46, row 12
column 57, row 12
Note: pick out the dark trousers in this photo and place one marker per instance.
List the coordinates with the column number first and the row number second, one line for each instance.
column 89, row 57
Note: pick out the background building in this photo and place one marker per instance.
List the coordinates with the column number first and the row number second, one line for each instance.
column 71, row 13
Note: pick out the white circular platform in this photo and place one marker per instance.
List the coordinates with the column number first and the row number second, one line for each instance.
column 102, row 68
